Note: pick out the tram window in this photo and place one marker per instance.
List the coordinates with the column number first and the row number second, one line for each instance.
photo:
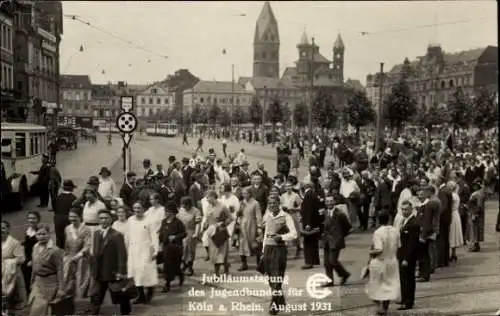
column 20, row 145
column 32, row 145
column 7, row 148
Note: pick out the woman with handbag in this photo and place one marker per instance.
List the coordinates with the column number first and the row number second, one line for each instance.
column 172, row 232
column 279, row 228
column 250, row 223
column 215, row 221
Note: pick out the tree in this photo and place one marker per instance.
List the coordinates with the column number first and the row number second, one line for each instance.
column 399, row 107
column 163, row 115
column 300, row 114
column 434, row 115
column 359, row 111
column 324, row 109
column 238, row 115
column 274, row 112
column 213, row 114
column 255, row 112
column 459, row 110
column 196, row 113
column 224, row 117
column 485, row 114
column 177, row 114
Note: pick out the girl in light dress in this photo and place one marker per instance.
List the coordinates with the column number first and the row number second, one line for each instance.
column 456, row 234
column 121, row 224
column 384, row 285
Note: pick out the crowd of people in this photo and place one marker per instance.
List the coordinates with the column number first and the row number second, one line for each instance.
column 423, row 207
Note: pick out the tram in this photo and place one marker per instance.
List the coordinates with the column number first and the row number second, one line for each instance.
column 162, row 129
column 22, row 148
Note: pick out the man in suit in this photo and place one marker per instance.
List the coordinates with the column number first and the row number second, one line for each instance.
column 244, row 174
column 43, row 181
column 259, row 191
column 311, row 226
column 148, row 172
column 443, row 239
column 62, row 205
column 108, row 263
column 382, row 197
column 367, row 190
column 336, row 228
column 127, row 189
column 426, row 215
column 187, row 172
column 408, row 254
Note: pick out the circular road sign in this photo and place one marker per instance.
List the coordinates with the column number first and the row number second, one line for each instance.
column 126, row 122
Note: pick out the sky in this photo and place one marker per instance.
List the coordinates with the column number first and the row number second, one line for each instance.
column 128, row 40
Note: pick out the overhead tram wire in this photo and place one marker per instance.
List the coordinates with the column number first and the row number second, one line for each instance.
column 115, row 36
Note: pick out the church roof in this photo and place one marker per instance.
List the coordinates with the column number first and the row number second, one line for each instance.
column 304, row 40
column 266, row 21
column 339, row 43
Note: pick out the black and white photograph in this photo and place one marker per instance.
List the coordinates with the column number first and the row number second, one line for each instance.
column 236, row 158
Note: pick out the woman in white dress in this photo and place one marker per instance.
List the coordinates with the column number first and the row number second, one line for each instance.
column 456, row 234
column 143, row 248
column 384, row 285
column 156, row 213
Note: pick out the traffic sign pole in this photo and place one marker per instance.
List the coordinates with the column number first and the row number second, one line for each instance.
column 126, row 122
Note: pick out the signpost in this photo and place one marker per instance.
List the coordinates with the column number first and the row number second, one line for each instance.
column 126, row 122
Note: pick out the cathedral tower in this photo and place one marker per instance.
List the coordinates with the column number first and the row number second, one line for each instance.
column 338, row 59
column 266, row 45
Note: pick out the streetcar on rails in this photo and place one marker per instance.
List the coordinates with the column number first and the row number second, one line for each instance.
column 108, row 128
column 162, row 129
column 22, row 148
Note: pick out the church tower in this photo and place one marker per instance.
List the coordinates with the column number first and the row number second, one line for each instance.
column 266, row 45
column 338, row 59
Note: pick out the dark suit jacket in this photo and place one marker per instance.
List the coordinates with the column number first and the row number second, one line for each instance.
column 446, row 201
column 426, row 216
column 260, row 194
column 64, row 203
column 244, row 178
column 187, row 174
column 126, row 194
column 309, row 210
column 382, row 197
column 335, row 229
column 109, row 256
column 409, row 235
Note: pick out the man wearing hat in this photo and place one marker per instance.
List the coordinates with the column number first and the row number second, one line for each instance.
column 244, row 174
column 42, row 183
column 148, row 172
column 107, row 187
column 62, row 206
column 187, row 172
column 92, row 184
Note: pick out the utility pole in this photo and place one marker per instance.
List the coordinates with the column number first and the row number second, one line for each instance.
column 232, row 103
column 311, row 96
column 262, row 126
column 380, row 115
column 58, row 77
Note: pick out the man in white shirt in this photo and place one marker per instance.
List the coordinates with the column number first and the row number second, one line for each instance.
column 107, row 187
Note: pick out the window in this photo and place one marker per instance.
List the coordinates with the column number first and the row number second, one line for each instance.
column 143, row 100
column 150, row 100
column 77, row 95
column 264, row 55
column 153, row 91
column 158, row 100
column 451, row 83
column 166, row 101
column 20, row 144
column 6, row 147
column 208, row 99
column 443, row 84
column 201, row 100
column 35, row 144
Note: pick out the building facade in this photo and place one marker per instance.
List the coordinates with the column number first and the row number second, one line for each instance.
column 76, row 95
column 152, row 101
column 6, row 59
column 221, row 93
column 434, row 77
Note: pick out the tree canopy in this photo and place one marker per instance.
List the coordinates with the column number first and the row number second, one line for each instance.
column 359, row 110
column 399, row 107
column 485, row 114
column 324, row 110
column 301, row 114
column 274, row 112
column 459, row 110
column 255, row 112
